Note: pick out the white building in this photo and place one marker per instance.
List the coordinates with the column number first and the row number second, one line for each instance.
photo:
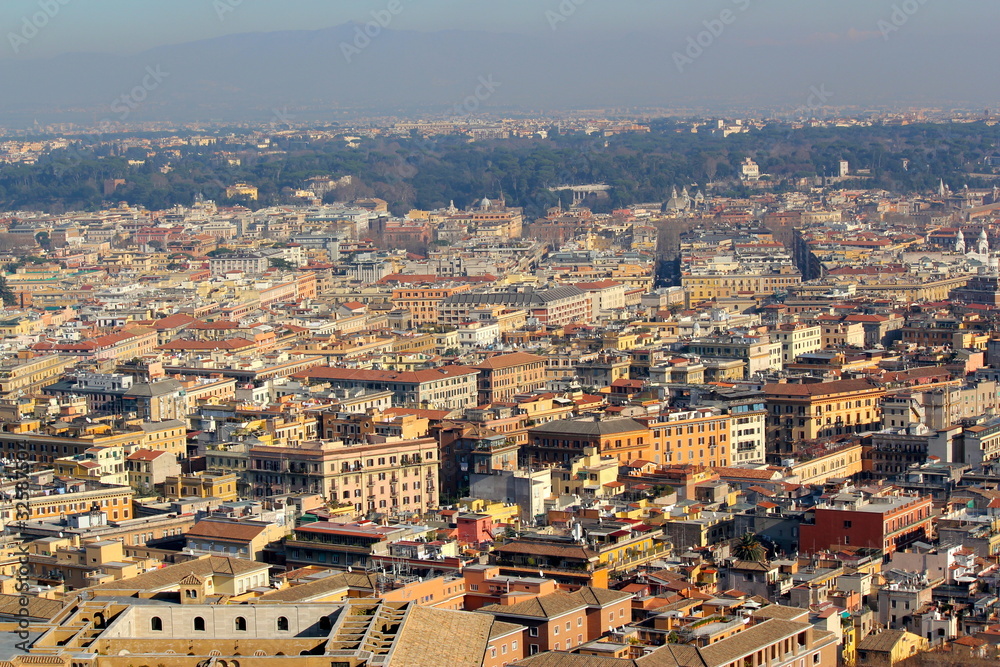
column 797, row 339
column 479, row 334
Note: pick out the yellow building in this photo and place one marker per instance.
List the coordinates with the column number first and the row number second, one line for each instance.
column 115, row 501
column 889, row 648
column 502, row 513
column 590, row 475
column 205, row 484
column 26, row 375
column 841, row 463
column 717, row 285
column 697, row 437
column 241, row 190
column 808, row 411
column 100, row 464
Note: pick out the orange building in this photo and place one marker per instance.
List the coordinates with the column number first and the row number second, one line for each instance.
column 565, row 439
column 697, row 437
column 422, row 302
column 504, row 376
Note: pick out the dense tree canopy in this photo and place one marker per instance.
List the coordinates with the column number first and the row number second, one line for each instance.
column 428, row 173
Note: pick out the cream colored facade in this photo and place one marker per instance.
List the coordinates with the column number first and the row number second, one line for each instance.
column 29, row 374
column 842, row 464
column 712, row 285
column 797, row 339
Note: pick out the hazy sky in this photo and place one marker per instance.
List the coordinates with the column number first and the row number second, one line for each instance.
column 127, row 26
column 800, row 56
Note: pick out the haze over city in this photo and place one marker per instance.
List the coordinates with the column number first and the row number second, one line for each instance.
column 231, row 57
column 508, row 333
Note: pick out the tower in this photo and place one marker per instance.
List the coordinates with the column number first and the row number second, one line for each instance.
column 960, row 243
column 983, row 243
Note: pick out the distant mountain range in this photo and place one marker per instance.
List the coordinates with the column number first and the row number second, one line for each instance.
column 323, row 74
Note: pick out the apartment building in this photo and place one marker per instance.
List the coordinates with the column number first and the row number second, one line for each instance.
column 422, row 301
column 442, row 388
column 797, row 339
column 758, row 353
column 60, row 562
column 607, row 296
column 504, row 376
column 747, row 412
column 77, row 497
column 25, row 375
column 122, row 395
column 562, row 440
column 836, row 332
column 808, row 411
column 220, row 486
column 147, row 468
column 230, row 263
column 708, row 284
column 885, row 521
column 73, row 440
column 120, row 346
column 341, row 545
column 384, row 475
column 700, row 436
column 554, row 306
column 100, row 464
column 560, row 621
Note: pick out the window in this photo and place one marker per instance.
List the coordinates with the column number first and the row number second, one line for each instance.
column 533, row 649
column 555, row 629
column 533, row 632
column 282, row 624
column 579, row 622
column 847, row 524
column 241, row 624
column 199, row 624
column 474, row 587
column 156, row 624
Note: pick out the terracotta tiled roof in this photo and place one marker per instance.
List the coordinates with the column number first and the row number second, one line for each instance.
column 429, row 375
column 819, row 388
column 433, row 637
column 549, row 606
column 227, row 530
column 509, row 360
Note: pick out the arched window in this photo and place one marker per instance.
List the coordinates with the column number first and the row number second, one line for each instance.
column 199, row 624
column 241, row 624
column 325, row 624
column 282, row 623
column 156, row 624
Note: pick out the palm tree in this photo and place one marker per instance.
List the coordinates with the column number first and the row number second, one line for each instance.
column 750, row 548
